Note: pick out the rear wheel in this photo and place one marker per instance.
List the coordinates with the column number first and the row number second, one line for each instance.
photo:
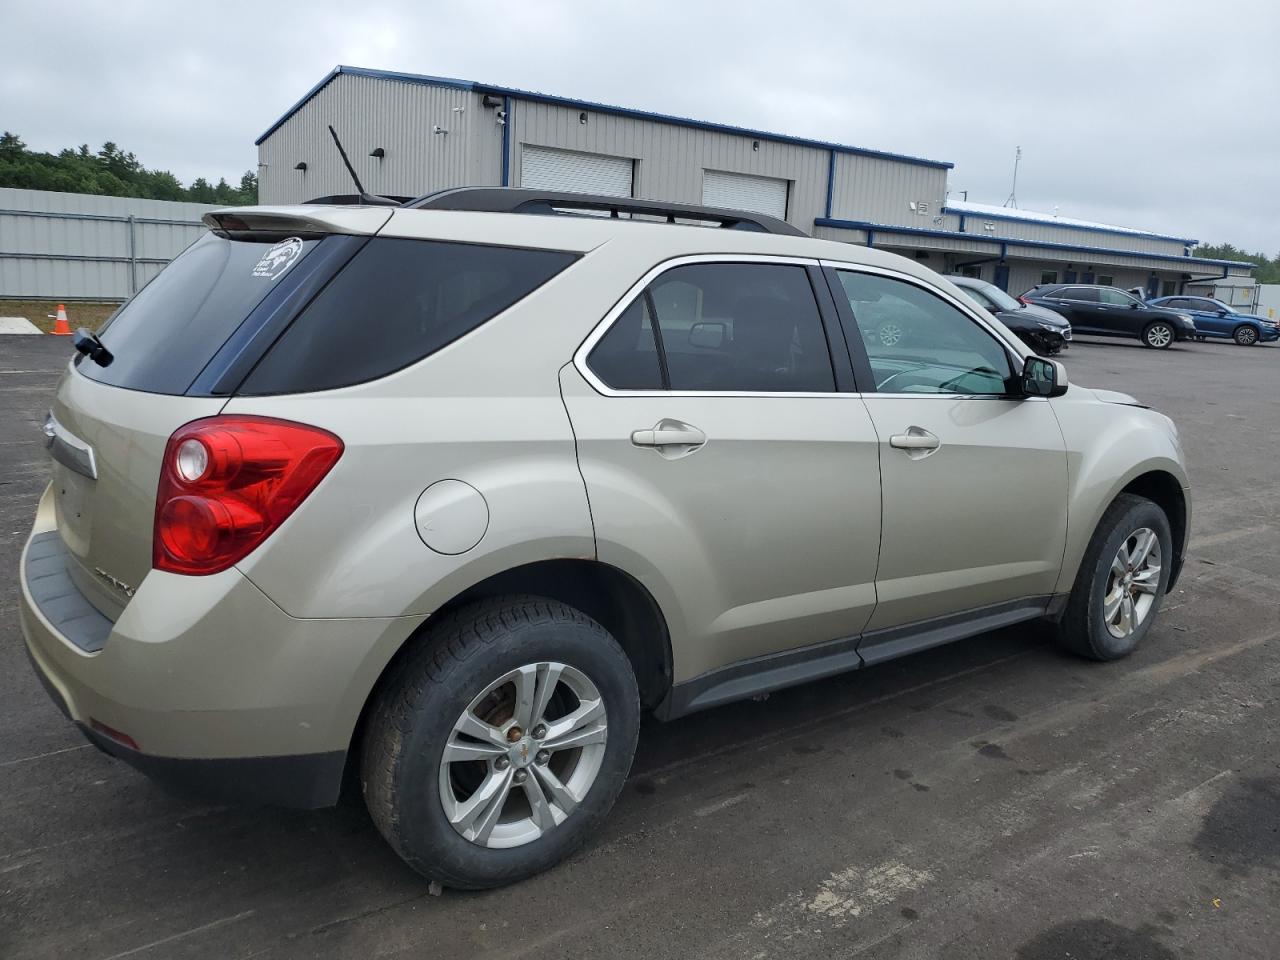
column 1245, row 335
column 1158, row 335
column 1121, row 581
column 501, row 742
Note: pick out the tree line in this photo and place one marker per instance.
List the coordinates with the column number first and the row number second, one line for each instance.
column 110, row 172
column 1268, row 267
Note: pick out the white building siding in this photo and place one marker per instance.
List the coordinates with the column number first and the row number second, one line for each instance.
column 997, row 227
column 881, row 190
column 670, row 159
column 395, row 115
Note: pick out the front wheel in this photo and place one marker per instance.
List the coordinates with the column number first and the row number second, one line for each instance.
column 1245, row 335
column 501, row 742
column 1121, row 581
column 1158, row 335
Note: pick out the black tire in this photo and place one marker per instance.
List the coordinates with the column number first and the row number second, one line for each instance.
column 1245, row 335
column 413, row 716
column 1158, row 335
column 1082, row 628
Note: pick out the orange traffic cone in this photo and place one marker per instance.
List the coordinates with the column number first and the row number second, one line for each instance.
column 61, row 328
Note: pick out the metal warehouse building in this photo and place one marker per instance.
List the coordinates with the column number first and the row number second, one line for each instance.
column 408, row 135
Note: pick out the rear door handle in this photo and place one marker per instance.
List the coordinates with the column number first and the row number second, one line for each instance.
column 672, row 438
column 917, row 441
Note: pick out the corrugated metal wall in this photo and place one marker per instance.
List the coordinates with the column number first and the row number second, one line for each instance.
column 998, row 228
column 398, row 117
column 73, row 246
column 670, row 159
column 878, row 190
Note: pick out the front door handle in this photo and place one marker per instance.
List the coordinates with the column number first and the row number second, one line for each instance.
column 671, row 438
column 917, row 441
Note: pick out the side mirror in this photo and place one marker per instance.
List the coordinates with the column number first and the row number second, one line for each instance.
column 1135, row 305
column 1043, row 378
column 1222, row 313
column 708, row 335
column 992, row 308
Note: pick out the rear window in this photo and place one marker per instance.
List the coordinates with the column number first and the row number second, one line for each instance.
column 395, row 303
column 164, row 336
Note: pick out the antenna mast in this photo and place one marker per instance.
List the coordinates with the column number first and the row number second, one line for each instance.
column 1012, row 200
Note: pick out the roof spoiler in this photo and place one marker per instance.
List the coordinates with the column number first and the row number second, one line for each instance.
column 277, row 223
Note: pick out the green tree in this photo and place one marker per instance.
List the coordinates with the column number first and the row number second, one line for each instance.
column 112, row 171
column 1268, row 267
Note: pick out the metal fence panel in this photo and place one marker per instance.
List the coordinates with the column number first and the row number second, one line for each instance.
column 74, row 246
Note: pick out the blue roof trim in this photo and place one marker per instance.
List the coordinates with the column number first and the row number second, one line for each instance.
column 598, row 108
column 1005, row 241
column 1070, row 226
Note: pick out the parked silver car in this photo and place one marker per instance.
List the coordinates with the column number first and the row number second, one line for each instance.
column 449, row 496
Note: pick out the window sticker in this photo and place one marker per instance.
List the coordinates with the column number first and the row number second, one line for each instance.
column 279, row 258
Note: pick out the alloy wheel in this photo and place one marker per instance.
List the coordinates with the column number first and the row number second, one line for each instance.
column 1132, row 583
column 523, row 755
column 1159, row 335
column 1246, row 336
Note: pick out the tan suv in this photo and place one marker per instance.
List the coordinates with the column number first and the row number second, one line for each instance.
column 446, row 494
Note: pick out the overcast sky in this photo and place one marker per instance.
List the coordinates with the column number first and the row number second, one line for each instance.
column 1157, row 115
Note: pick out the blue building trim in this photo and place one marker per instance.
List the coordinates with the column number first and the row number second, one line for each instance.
column 1066, row 226
column 506, row 142
column 831, row 178
column 597, row 108
column 1187, row 262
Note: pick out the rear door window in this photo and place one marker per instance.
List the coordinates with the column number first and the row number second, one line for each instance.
column 722, row 328
column 1081, row 294
column 164, row 336
column 395, row 303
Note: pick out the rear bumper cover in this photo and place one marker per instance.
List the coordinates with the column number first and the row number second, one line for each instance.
column 304, row 782
column 222, row 692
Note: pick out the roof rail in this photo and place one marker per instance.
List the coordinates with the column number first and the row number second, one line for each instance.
column 358, row 200
column 524, row 200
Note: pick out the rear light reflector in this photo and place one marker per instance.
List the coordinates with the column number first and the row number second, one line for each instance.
column 111, row 733
column 1024, row 300
column 227, row 482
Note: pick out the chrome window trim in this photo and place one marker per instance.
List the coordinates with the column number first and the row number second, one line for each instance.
column 637, row 288
column 624, row 303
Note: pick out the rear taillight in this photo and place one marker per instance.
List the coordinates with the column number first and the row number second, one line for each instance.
column 1024, row 301
column 227, row 482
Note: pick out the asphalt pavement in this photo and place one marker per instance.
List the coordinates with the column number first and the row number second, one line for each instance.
column 994, row 798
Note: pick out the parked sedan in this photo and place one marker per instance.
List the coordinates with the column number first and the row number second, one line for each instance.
column 1107, row 312
column 1213, row 318
column 1038, row 327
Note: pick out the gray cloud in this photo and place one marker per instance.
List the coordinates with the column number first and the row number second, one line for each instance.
column 1153, row 115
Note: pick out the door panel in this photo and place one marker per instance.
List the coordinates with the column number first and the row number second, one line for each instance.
column 981, row 519
column 974, row 483
column 761, row 539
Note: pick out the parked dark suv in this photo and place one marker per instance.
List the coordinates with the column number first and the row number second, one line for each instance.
column 1107, row 312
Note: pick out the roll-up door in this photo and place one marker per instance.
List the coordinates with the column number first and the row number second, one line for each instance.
column 740, row 191
column 549, row 169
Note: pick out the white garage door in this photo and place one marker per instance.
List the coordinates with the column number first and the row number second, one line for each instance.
column 549, row 169
column 738, row 191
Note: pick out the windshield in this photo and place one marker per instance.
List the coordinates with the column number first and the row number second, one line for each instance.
column 1002, row 299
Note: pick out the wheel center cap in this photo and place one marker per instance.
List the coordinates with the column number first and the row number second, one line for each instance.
column 522, row 753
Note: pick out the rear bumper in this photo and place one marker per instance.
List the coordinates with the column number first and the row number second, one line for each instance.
column 222, row 693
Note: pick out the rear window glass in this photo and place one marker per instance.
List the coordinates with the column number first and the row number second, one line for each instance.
column 164, row 336
column 396, row 302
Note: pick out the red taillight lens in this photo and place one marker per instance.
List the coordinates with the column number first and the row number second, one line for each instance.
column 1024, row 300
column 228, row 482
